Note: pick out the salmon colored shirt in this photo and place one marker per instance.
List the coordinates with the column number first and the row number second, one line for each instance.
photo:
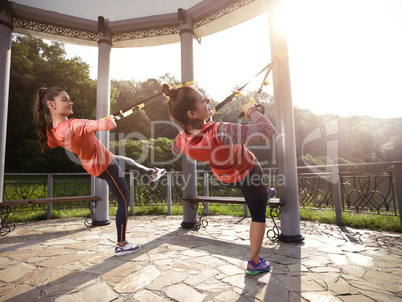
column 78, row 136
column 221, row 145
column 228, row 163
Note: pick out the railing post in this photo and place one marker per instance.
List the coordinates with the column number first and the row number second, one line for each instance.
column 398, row 182
column 49, row 194
column 336, row 186
column 245, row 211
column 169, row 193
column 206, row 191
column 131, row 193
column 92, row 185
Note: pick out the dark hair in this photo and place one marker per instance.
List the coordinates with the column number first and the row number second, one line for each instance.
column 41, row 113
column 180, row 101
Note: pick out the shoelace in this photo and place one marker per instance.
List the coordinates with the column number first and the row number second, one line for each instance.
column 262, row 261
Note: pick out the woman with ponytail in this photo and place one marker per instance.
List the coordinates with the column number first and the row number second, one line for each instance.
column 52, row 107
column 222, row 146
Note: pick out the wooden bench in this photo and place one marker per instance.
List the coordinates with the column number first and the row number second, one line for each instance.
column 6, row 208
column 273, row 203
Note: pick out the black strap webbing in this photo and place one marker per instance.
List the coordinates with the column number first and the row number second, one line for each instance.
column 230, row 97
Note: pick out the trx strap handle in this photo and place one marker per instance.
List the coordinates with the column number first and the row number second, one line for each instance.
column 259, row 106
column 118, row 115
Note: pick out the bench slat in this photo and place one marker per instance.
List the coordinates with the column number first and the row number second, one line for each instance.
column 231, row 200
column 49, row 200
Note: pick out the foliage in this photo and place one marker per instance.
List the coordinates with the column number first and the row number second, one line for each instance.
column 150, row 153
column 359, row 139
column 35, row 63
column 355, row 220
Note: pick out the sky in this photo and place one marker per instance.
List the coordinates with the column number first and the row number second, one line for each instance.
column 345, row 57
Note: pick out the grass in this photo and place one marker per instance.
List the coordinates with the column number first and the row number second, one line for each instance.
column 355, row 220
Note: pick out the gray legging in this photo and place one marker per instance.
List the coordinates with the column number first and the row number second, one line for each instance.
column 128, row 164
column 116, row 181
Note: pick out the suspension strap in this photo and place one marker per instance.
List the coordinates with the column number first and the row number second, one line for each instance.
column 268, row 69
column 238, row 92
column 118, row 115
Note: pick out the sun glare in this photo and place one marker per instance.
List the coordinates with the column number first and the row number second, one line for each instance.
column 344, row 57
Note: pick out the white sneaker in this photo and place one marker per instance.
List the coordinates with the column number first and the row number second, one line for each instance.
column 128, row 248
column 159, row 173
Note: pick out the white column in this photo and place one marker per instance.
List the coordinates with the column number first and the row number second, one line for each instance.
column 187, row 74
column 284, row 123
column 5, row 58
column 102, row 110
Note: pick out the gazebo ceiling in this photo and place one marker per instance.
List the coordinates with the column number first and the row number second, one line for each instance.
column 133, row 23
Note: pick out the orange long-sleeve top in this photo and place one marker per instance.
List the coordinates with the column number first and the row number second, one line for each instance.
column 78, row 136
column 221, row 145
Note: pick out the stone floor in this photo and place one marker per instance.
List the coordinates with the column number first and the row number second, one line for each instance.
column 62, row 260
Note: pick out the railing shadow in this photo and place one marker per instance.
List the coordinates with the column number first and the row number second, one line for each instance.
column 279, row 254
column 25, row 241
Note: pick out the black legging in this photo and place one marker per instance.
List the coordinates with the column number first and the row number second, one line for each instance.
column 255, row 192
column 116, row 181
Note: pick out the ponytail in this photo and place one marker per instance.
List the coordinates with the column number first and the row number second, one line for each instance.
column 41, row 112
column 180, row 101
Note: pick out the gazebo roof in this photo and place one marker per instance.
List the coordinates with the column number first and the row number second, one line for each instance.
column 134, row 23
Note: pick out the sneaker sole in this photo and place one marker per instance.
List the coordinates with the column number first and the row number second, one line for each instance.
column 126, row 252
column 255, row 273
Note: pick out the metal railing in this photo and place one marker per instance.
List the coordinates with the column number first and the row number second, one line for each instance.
column 365, row 188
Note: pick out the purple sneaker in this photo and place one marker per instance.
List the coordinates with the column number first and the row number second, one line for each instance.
column 271, row 193
column 261, row 267
column 128, row 248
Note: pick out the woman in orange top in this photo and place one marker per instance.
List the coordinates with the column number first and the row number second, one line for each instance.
column 222, row 146
column 51, row 110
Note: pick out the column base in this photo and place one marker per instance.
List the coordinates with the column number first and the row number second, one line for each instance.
column 292, row 238
column 187, row 225
column 101, row 223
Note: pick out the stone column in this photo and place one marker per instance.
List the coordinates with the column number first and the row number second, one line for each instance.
column 6, row 29
column 284, row 123
column 187, row 74
column 103, row 110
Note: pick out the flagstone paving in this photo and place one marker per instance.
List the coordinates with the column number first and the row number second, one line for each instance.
column 62, row 260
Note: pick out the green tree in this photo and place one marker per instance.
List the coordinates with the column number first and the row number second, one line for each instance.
column 356, row 141
column 35, row 64
column 136, row 125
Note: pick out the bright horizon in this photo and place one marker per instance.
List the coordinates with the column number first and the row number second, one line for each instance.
column 345, row 57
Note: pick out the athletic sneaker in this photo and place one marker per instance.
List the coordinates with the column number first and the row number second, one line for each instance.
column 158, row 174
column 256, row 269
column 125, row 249
column 271, row 193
